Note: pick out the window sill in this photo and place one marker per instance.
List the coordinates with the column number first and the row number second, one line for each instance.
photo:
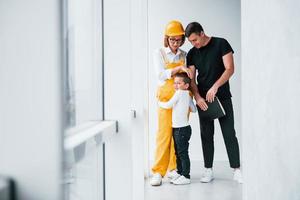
column 82, row 133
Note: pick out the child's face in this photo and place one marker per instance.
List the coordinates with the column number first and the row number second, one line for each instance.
column 179, row 84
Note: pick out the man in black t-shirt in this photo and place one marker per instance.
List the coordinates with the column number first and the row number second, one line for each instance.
column 212, row 57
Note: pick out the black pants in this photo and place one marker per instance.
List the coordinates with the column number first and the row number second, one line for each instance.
column 181, row 139
column 228, row 132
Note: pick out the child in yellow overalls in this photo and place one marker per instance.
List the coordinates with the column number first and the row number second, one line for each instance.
column 168, row 61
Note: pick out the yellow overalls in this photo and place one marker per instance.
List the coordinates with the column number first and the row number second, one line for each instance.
column 165, row 158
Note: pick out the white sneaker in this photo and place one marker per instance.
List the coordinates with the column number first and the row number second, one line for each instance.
column 172, row 174
column 175, row 178
column 207, row 176
column 182, row 181
column 237, row 176
column 156, row 180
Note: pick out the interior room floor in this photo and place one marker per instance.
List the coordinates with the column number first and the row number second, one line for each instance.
column 221, row 188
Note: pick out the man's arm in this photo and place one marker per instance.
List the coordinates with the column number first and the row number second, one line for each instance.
column 229, row 70
column 199, row 100
column 194, row 87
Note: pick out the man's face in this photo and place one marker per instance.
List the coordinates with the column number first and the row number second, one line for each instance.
column 179, row 84
column 196, row 39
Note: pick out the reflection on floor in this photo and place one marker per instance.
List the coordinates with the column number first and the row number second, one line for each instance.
column 221, row 188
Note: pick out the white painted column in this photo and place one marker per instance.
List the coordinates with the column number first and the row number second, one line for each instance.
column 30, row 97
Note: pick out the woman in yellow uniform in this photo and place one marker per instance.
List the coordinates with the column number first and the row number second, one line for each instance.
column 168, row 61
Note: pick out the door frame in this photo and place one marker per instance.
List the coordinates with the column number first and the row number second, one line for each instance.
column 139, row 95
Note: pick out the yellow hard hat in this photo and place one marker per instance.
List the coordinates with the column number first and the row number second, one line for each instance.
column 174, row 28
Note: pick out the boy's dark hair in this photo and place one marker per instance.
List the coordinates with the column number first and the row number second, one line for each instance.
column 193, row 27
column 184, row 77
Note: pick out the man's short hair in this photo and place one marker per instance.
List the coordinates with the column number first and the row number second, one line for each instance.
column 184, row 77
column 193, row 27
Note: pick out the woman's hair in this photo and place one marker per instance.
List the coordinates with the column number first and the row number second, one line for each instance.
column 166, row 41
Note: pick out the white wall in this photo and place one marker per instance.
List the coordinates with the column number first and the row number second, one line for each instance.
column 270, row 99
column 218, row 18
column 30, row 97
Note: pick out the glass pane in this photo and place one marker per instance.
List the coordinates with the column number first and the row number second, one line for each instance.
column 83, row 77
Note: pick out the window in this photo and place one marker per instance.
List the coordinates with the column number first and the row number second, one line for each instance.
column 83, row 61
column 83, row 99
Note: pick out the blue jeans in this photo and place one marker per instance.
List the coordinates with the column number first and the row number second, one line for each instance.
column 181, row 137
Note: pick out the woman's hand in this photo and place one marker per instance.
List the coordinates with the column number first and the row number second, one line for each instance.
column 188, row 71
column 201, row 103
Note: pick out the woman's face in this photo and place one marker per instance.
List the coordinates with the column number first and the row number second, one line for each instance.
column 175, row 42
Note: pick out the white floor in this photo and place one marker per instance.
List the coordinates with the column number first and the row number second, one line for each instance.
column 221, row 188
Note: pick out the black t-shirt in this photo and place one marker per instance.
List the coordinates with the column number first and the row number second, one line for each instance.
column 209, row 64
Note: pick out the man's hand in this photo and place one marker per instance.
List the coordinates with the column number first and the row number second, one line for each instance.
column 210, row 96
column 201, row 103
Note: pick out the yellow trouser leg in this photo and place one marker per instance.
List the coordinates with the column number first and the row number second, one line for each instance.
column 165, row 152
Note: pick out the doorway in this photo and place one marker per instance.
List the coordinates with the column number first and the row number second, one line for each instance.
column 219, row 19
